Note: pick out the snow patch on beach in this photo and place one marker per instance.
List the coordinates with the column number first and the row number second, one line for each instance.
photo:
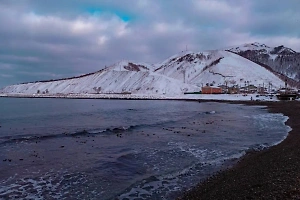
column 225, row 97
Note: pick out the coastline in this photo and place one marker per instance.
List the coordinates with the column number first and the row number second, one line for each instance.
column 268, row 174
column 272, row 173
column 186, row 97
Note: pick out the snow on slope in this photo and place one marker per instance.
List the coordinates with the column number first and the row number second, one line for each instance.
column 273, row 52
column 251, row 46
column 281, row 59
column 217, row 68
column 188, row 66
column 234, row 68
column 130, row 66
column 185, row 72
column 123, row 77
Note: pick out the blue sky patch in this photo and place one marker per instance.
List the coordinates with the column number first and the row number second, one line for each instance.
column 98, row 11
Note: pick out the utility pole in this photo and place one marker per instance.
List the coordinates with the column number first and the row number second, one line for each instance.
column 285, row 84
column 248, row 89
column 271, row 87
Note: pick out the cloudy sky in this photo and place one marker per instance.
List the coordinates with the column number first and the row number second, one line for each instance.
column 49, row 39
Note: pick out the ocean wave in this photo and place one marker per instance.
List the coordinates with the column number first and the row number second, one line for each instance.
column 51, row 185
column 170, row 185
column 85, row 132
column 92, row 132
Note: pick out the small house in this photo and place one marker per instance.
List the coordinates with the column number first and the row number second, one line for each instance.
column 233, row 90
column 211, row 90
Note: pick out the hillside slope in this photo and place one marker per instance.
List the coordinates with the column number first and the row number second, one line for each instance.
column 124, row 77
column 218, row 68
column 185, row 72
column 281, row 59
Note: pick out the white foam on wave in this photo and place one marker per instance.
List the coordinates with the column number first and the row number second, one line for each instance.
column 97, row 131
column 53, row 185
column 194, row 151
column 164, row 185
column 272, row 121
column 288, row 129
column 160, row 186
column 173, row 181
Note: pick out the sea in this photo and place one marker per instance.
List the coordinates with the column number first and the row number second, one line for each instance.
column 123, row 149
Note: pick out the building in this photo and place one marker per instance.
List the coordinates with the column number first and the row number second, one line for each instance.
column 233, row 90
column 248, row 89
column 211, row 90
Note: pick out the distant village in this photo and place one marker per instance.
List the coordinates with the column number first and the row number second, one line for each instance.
column 283, row 92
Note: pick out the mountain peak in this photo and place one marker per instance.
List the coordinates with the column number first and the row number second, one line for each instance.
column 125, row 65
column 282, row 50
column 250, row 46
column 186, row 71
column 281, row 59
column 256, row 46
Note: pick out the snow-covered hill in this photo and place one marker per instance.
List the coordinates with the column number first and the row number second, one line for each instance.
column 217, row 68
column 185, row 72
column 262, row 48
column 123, row 77
column 281, row 59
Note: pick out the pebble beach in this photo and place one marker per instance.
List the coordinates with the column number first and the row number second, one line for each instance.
column 272, row 173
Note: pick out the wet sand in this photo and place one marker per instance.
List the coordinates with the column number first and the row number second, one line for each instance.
column 273, row 173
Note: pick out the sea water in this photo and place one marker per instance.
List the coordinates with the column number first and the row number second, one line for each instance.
column 121, row 149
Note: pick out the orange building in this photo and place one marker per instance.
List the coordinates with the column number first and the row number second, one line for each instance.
column 211, row 90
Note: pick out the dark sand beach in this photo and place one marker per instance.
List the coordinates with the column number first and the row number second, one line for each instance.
column 273, row 173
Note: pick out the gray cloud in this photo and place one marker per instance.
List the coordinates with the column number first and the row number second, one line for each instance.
column 49, row 39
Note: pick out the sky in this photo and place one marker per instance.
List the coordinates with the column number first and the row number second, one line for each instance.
column 51, row 39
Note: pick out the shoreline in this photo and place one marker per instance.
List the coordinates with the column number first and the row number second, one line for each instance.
column 186, row 97
column 272, row 173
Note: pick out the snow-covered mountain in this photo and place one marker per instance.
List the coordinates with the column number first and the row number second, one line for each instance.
column 185, row 72
column 281, row 59
column 123, row 77
column 217, row 68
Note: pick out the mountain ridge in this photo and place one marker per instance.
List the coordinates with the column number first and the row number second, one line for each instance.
column 184, row 72
column 281, row 59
